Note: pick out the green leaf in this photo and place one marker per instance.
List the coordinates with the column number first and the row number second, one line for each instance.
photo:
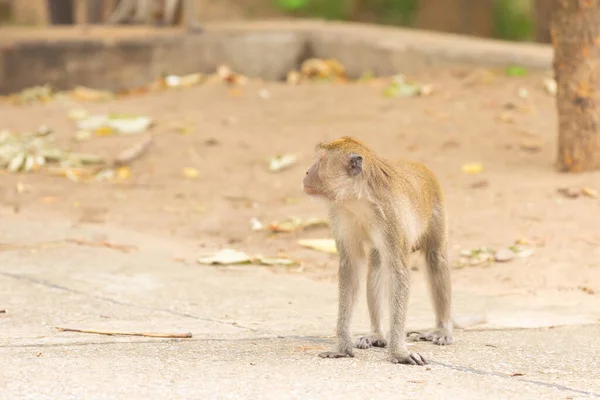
column 515, row 70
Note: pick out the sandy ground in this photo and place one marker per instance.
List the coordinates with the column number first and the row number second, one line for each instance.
column 234, row 132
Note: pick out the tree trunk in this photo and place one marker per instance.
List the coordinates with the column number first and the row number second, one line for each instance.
column 575, row 31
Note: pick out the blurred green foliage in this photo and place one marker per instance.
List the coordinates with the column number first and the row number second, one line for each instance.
column 512, row 19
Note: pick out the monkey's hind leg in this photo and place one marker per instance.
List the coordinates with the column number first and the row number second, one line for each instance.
column 374, row 298
column 438, row 274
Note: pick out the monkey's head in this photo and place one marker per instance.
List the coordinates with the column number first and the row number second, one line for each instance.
column 338, row 173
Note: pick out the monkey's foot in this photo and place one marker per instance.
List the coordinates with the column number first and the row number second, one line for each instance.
column 372, row 340
column 410, row 359
column 440, row 337
column 336, row 354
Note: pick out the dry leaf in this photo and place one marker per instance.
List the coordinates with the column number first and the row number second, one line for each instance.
column 281, row 162
column 225, row 257
column 293, row 224
column 589, row 192
column 323, row 245
column 190, row 173
column 568, row 192
column 504, row 255
column 480, row 184
column 124, row 173
column 87, row 94
column 587, row 289
column 532, row 146
column 256, row 225
column 550, row 86
column 234, row 257
column 132, row 153
column 472, row 168
column 293, row 77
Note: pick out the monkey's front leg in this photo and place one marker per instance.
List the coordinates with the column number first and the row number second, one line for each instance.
column 400, row 286
column 348, row 286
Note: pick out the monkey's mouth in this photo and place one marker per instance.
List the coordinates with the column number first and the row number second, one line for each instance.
column 310, row 190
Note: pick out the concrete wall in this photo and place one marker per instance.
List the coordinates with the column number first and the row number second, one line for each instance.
column 114, row 58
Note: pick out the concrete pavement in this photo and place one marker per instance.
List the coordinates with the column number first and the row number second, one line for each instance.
column 256, row 334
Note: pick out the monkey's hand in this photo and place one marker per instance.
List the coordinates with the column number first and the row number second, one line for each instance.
column 409, row 359
column 372, row 340
column 440, row 337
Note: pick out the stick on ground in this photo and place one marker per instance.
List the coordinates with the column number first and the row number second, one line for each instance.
column 115, row 333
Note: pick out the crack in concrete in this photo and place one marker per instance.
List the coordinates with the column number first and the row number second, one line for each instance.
column 122, row 303
column 501, row 375
column 315, row 339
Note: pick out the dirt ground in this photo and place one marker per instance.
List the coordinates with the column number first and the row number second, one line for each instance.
column 465, row 120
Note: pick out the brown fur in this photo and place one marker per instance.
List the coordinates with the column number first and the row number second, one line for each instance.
column 380, row 213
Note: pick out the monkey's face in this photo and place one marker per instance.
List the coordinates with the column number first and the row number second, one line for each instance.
column 334, row 175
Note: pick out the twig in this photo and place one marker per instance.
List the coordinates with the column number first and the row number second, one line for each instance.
column 115, row 333
column 121, row 247
column 19, row 246
column 2, row 311
column 131, row 154
column 57, row 243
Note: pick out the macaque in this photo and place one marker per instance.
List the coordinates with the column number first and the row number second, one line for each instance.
column 380, row 213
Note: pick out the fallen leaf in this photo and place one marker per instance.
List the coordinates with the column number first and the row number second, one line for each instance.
column 506, row 117
column 293, row 224
column 534, row 241
column 568, row 192
column 264, row 93
column 281, row 162
column 190, row 173
column 256, row 225
column 523, row 93
column 504, row 255
column 293, row 77
column 402, row 88
column 87, row 94
column 315, row 68
column 587, row 289
column 531, row 146
column 132, row 153
column 550, row 86
column 480, row 184
column 124, row 173
column 472, row 168
column 521, row 251
column 108, row 124
column 475, row 257
column 234, row 257
column 78, row 113
column 589, row 192
column 49, row 199
column 514, row 70
column 323, row 245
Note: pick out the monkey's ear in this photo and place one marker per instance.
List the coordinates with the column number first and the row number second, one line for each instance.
column 356, row 164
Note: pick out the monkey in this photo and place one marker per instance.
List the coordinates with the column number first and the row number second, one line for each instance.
column 380, row 213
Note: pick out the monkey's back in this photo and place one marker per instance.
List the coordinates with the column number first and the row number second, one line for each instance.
column 422, row 187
